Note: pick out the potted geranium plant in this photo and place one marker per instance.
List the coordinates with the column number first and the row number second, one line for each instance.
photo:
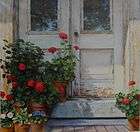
column 129, row 103
column 63, row 63
column 25, row 70
column 21, row 121
column 22, row 64
column 7, row 112
column 37, row 119
column 43, row 97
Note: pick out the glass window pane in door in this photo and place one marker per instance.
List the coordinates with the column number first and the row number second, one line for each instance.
column 96, row 16
column 44, row 15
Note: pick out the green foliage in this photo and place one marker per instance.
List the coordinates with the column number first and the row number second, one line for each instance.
column 132, row 108
column 22, row 117
column 6, row 106
column 27, row 53
column 36, row 68
column 6, row 123
column 7, row 113
column 64, row 63
column 38, row 119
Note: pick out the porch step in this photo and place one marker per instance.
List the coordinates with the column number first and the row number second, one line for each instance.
column 84, row 108
column 84, row 122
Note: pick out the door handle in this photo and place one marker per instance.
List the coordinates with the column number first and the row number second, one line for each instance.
column 76, row 34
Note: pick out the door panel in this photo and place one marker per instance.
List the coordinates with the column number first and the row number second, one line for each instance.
column 97, row 72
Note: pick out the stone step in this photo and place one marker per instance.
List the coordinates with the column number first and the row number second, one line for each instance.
column 84, row 108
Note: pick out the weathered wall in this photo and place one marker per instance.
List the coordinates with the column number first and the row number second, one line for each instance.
column 132, row 52
column 6, row 26
column 131, row 11
column 9, row 21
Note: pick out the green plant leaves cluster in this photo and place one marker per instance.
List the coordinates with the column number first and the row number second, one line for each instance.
column 132, row 109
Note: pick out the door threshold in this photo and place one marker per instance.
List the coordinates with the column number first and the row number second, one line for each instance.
column 89, row 98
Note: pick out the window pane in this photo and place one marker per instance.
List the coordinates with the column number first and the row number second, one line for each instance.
column 96, row 15
column 44, row 15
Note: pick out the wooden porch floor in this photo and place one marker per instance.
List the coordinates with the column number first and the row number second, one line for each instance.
column 93, row 125
column 111, row 128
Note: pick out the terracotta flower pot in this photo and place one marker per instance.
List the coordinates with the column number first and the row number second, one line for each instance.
column 61, row 88
column 134, row 124
column 37, row 107
column 37, row 128
column 22, row 128
column 11, row 129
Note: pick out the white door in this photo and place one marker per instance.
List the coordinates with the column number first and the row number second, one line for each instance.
column 97, row 28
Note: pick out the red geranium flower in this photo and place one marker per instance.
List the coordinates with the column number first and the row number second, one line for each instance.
column 11, row 78
column 39, row 86
column 125, row 101
column 52, row 50
column 31, row 83
column 14, row 85
column 131, row 83
column 61, row 90
column 21, row 66
column 76, row 47
column 9, row 97
column 63, row 35
column 2, row 94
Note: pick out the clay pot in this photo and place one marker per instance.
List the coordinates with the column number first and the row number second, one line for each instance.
column 37, row 107
column 22, row 128
column 61, row 88
column 134, row 124
column 11, row 129
column 37, row 128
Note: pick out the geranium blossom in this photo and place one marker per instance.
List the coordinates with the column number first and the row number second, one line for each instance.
column 14, row 85
column 2, row 94
column 63, row 35
column 21, row 66
column 76, row 47
column 39, row 86
column 9, row 97
column 131, row 83
column 52, row 50
column 31, row 83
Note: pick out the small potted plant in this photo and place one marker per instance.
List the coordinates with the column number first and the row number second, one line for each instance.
column 7, row 112
column 129, row 103
column 21, row 121
column 63, row 63
column 38, row 119
column 43, row 99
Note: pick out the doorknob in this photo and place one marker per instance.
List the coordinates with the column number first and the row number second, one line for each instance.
column 76, row 34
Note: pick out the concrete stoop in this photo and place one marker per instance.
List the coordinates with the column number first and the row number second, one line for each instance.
column 84, row 108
